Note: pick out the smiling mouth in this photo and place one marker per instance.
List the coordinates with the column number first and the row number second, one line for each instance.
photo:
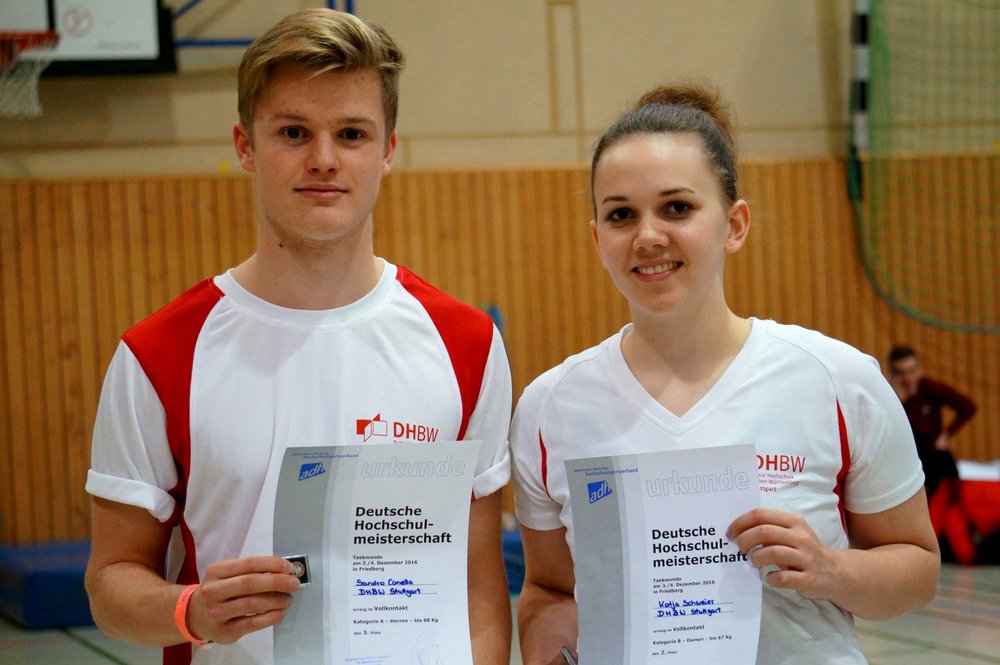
column 657, row 269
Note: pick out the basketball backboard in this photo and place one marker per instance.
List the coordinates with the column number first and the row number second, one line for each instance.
column 97, row 36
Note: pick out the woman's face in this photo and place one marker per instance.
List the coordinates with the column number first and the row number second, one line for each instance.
column 663, row 226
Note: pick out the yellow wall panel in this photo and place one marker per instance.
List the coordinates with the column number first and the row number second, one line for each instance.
column 82, row 260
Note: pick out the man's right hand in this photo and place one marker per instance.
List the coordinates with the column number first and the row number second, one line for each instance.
column 131, row 600
column 240, row 596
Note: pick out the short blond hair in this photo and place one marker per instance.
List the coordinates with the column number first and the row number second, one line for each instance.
column 324, row 40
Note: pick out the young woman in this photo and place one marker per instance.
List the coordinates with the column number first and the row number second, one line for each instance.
column 843, row 531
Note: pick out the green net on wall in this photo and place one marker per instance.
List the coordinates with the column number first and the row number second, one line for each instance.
column 928, row 204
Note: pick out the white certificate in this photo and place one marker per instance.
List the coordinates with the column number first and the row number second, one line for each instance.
column 383, row 533
column 657, row 580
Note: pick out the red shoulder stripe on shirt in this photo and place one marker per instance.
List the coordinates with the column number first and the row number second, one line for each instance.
column 466, row 332
column 845, row 464
column 164, row 345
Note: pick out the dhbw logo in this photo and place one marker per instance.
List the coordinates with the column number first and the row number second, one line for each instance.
column 307, row 471
column 374, row 427
column 599, row 490
column 367, row 428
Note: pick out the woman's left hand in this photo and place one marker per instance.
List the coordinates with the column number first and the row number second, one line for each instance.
column 786, row 541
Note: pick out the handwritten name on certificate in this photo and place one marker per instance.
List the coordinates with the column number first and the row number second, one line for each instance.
column 657, row 580
column 379, row 535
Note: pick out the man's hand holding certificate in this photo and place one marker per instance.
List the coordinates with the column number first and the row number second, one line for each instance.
column 384, row 531
column 657, row 578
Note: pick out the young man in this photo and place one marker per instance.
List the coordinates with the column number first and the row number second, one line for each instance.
column 292, row 347
column 925, row 401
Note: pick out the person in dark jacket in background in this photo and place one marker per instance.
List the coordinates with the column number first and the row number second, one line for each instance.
column 925, row 401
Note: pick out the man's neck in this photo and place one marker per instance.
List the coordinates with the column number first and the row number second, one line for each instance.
column 304, row 284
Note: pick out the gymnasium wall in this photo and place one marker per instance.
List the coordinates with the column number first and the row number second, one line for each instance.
column 81, row 259
column 126, row 191
column 486, row 83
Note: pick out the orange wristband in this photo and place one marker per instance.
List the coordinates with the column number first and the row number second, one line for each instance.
column 180, row 615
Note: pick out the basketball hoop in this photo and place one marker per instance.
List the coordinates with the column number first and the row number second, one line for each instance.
column 19, row 76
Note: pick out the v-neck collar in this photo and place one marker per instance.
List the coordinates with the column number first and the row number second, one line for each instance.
column 637, row 395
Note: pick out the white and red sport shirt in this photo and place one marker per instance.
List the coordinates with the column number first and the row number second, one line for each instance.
column 202, row 398
column 830, row 433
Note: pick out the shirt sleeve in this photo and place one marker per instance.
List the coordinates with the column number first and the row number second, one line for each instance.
column 884, row 469
column 535, row 508
column 131, row 462
column 490, row 422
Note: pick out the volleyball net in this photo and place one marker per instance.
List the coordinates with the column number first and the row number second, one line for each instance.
column 924, row 167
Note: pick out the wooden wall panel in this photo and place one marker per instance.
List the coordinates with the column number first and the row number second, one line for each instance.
column 82, row 260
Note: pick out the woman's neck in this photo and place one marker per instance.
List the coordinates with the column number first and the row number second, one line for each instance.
column 678, row 362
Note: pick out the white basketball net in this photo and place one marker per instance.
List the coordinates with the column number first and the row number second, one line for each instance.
column 19, row 79
column 19, row 89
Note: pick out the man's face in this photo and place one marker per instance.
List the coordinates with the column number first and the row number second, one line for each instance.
column 907, row 373
column 318, row 152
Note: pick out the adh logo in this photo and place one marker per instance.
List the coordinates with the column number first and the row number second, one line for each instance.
column 307, row 471
column 599, row 490
column 400, row 431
